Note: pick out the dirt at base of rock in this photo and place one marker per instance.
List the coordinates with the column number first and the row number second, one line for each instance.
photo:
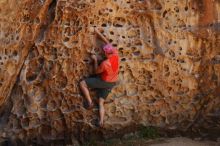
column 177, row 141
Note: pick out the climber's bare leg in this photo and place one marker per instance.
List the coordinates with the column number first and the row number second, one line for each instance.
column 101, row 111
column 85, row 91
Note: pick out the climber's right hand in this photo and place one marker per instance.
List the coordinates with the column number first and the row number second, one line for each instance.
column 94, row 58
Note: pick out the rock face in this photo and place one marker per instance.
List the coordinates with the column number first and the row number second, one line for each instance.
column 169, row 72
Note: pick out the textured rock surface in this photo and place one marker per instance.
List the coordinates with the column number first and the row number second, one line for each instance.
column 169, row 73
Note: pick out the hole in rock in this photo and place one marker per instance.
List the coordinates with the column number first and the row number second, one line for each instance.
column 164, row 13
column 158, row 6
column 25, row 122
column 123, row 59
column 133, row 48
column 15, row 53
column 104, row 25
column 67, row 31
column 120, row 49
column 66, row 39
column 211, row 24
column 43, row 103
column 182, row 61
column 30, row 76
column 169, row 43
column 118, row 25
column 6, row 52
column 138, row 43
column 166, row 68
column 86, row 60
column 171, row 53
column 37, row 20
column 176, row 9
column 17, row 38
column 137, row 53
column 114, row 45
column 41, row 60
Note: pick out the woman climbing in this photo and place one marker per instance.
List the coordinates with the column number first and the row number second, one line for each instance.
column 106, row 79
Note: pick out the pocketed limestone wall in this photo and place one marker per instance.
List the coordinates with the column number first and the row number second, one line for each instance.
column 169, row 65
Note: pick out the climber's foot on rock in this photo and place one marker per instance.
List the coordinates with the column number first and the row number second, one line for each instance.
column 89, row 106
column 101, row 124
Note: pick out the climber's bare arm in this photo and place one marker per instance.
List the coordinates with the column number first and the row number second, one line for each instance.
column 97, row 69
column 102, row 36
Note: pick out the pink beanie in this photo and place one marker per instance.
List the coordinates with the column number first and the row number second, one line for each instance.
column 109, row 49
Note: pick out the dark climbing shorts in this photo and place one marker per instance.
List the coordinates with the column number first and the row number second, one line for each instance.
column 103, row 88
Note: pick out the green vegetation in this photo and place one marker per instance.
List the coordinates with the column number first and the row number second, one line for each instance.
column 141, row 135
column 90, row 143
column 148, row 132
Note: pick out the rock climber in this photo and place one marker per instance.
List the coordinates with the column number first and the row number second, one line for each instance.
column 107, row 76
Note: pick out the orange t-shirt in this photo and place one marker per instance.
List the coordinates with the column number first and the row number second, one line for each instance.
column 110, row 68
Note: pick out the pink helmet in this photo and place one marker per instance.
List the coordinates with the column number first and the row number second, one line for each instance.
column 109, row 49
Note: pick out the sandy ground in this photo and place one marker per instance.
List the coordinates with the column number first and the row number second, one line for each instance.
column 178, row 141
column 181, row 141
